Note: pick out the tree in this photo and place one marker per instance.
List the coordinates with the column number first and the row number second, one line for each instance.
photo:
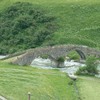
column 23, row 26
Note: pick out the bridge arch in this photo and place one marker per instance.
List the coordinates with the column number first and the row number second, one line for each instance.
column 79, row 52
column 82, row 55
column 55, row 52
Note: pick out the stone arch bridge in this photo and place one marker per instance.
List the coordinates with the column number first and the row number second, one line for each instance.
column 55, row 52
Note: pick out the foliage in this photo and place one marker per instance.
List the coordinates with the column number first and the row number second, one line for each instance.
column 78, row 21
column 73, row 55
column 82, row 71
column 60, row 62
column 90, row 68
column 44, row 56
column 23, row 26
column 60, row 59
column 91, row 65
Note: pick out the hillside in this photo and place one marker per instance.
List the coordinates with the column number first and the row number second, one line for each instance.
column 78, row 21
column 17, row 81
column 89, row 88
column 23, row 27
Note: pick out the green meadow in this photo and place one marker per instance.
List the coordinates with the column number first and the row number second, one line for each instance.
column 17, row 81
column 89, row 88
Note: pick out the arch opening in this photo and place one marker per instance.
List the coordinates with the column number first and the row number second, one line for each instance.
column 82, row 55
column 76, row 55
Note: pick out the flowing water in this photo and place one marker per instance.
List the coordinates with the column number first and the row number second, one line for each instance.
column 3, row 56
column 70, row 66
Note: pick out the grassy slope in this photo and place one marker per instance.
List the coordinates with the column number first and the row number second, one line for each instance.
column 16, row 81
column 89, row 88
column 79, row 20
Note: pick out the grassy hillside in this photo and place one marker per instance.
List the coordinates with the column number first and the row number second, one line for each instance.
column 78, row 20
column 89, row 88
column 17, row 81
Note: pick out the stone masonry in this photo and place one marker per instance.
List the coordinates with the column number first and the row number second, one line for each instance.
column 55, row 52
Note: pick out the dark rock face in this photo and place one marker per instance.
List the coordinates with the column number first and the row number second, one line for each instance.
column 55, row 52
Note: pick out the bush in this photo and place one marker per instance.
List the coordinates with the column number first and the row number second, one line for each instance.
column 74, row 55
column 82, row 71
column 90, row 68
column 44, row 56
column 91, row 65
column 60, row 62
column 60, row 59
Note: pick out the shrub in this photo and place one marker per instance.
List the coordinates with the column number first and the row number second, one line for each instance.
column 60, row 62
column 74, row 55
column 90, row 68
column 91, row 65
column 82, row 71
column 45, row 56
column 60, row 59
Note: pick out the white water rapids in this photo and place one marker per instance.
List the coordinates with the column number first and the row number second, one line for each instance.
column 3, row 56
column 70, row 66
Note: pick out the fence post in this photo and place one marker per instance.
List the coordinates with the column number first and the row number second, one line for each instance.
column 29, row 96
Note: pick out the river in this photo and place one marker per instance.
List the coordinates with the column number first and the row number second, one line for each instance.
column 3, row 56
column 70, row 66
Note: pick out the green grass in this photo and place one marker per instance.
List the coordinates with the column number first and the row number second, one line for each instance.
column 17, row 81
column 89, row 88
column 79, row 20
